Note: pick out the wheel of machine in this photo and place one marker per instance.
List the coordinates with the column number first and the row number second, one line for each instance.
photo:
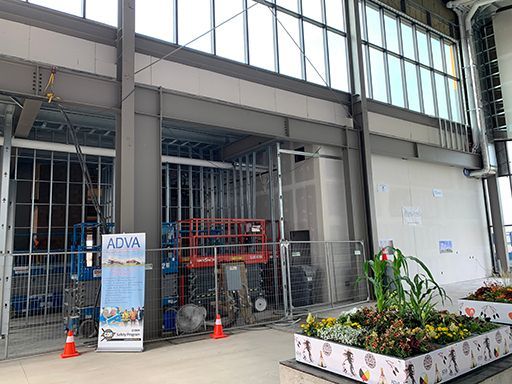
column 260, row 304
column 88, row 329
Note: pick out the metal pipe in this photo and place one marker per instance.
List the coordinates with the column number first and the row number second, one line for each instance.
column 477, row 117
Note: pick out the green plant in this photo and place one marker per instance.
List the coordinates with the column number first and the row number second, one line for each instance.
column 375, row 272
column 341, row 333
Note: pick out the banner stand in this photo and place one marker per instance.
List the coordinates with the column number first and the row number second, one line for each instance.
column 121, row 318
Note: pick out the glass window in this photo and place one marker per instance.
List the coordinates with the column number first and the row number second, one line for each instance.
column 437, row 53
column 442, row 102
column 451, row 61
column 407, row 41
column 261, row 37
column 396, row 81
column 373, row 25
column 391, row 28
column 290, row 56
column 427, row 92
column 411, row 78
column 73, row 7
column 422, row 47
column 334, row 14
column 315, row 53
column 361, row 21
column 292, row 5
column 155, row 18
column 312, row 9
column 229, row 37
column 366, row 74
column 454, row 92
column 193, row 21
column 378, row 75
column 103, row 11
column 338, row 61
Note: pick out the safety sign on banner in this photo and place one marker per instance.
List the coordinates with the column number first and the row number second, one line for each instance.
column 121, row 322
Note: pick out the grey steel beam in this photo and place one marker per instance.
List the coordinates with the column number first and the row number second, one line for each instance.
column 393, row 147
column 27, row 117
column 500, row 239
column 359, row 112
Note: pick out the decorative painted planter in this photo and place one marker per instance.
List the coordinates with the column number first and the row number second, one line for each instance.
column 438, row 366
column 497, row 312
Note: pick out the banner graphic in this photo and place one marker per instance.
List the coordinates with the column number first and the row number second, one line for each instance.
column 121, row 321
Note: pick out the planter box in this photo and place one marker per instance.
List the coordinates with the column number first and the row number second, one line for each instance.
column 497, row 312
column 438, row 366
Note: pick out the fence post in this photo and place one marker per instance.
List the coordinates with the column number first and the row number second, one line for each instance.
column 216, row 272
column 328, row 272
column 285, row 276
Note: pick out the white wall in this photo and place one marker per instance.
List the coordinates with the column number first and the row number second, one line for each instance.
column 458, row 216
column 43, row 46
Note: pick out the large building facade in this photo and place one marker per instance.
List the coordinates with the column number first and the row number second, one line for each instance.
column 333, row 120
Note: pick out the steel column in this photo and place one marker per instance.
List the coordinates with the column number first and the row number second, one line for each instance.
column 500, row 239
column 139, row 166
column 359, row 111
column 5, row 229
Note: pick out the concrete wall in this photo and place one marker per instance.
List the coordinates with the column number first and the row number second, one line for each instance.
column 39, row 45
column 459, row 216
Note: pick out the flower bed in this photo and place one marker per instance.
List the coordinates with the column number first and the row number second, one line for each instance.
column 437, row 366
column 404, row 339
column 492, row 301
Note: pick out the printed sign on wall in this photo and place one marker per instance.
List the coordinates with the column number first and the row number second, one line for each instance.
column 412, row 215
column 121, row 322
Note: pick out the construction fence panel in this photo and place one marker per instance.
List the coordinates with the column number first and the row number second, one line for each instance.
column 245, row 284
column 325, row 274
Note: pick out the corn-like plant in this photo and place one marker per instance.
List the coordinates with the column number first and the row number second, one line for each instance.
column 375, row 272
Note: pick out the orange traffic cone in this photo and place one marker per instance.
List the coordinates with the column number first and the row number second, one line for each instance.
column 218, row 332
column 69, row 347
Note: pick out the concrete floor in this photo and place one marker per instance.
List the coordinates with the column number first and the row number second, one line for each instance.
column 245, row 357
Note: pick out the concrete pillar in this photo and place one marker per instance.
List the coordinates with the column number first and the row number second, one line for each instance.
column 139, row 167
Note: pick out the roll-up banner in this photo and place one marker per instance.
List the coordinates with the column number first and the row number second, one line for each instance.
column 121, row 321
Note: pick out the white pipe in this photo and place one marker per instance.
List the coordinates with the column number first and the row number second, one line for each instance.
column 477, row 117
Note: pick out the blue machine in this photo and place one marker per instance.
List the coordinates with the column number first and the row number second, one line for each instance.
column 169, row 275
column 82, row 298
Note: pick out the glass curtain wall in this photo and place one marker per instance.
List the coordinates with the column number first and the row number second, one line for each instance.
column 297, row 38
column 408, row 65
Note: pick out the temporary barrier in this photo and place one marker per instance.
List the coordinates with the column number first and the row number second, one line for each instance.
column 46, row 293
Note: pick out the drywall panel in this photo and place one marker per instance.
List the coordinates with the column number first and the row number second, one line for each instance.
column 61, row 50
column 220, row 87
column 452, row 209
column 403, row 129
column 257, row 96
column 105, row 60
column 14, row 38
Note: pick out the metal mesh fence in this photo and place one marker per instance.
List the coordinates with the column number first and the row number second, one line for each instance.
column 325, row 273
column 246, row 284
